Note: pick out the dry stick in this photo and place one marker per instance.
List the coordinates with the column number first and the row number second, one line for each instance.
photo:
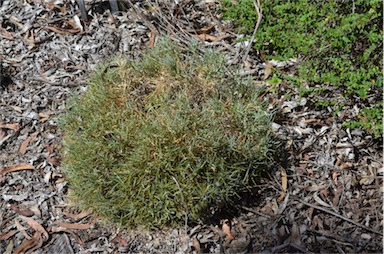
column 166, row 24
column 256, row 212
column 259, row 12
column 140, row 16
column 339, row 216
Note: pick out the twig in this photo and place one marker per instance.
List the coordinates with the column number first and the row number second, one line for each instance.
column 259, row 12
column 339, row 216
column 256, row 212
column 141, row 17
column 333, row 236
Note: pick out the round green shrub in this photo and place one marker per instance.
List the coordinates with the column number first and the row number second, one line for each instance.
column 164, row 139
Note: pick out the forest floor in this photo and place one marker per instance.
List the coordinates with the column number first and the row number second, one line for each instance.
column 324, row 194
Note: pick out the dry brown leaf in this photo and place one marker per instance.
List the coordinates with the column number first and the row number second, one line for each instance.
column 317, row 221
column 267, row 70
column 14, row 126
column 203, row 30
column 73, row 225
column 17, row 167
column 60, row 180
column 346, row 165
column 63, row 10
column 336, row 197
column 54, row 161
column 43, row 117
column 77, row 216
column 24, row 145
column 309, row 121
column 227, row 230
column 58, row 229
column 334, row 177
column 39, row 242
column 340, row 159
column 152, row 39
column 207, row 37
column 35, row 225
column 55, row 229
column 24, row 246
column 7, row 235
column 325, row 193
column 50, row 6
column 49, row 148
column 7, row 35
column 119, row 240
column 196, row 245
column 24, row 212
column 284, row 183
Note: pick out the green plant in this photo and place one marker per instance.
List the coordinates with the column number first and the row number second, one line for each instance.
column 164, row 139
column 339, row 43
column 242, row 12
column 369, row 118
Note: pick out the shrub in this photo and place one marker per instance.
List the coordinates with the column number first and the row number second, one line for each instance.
column 163, row 139
column 339, row 43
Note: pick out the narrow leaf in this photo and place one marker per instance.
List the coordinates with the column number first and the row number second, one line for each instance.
column 17, row 167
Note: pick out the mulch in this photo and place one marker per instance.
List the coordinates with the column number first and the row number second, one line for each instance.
column 324, row 193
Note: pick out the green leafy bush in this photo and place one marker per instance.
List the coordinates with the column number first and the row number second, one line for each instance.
column 164, row 139
column 339, row 43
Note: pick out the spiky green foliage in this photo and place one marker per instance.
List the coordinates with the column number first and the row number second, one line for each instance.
column 156, row 141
